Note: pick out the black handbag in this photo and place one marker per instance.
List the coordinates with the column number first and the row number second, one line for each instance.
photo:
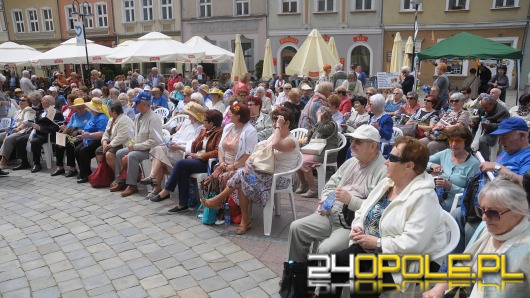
column 294, row 280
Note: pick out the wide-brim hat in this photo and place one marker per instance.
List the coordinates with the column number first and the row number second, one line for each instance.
column 78, row 102
column 195, row 109
column 216, row 91
column 96, row 105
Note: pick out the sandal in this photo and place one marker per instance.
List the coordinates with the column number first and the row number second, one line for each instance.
column 211, row 204
column 242, row 229
column 152, row 194
column 149, row 180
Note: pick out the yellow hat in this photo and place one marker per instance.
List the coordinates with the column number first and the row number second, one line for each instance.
column 155, row 90
column 204, row 88
column 96, row 105
column 18, row 90
column 196, row 110
column 78, row 102
column 216, row 91
column 187, row 90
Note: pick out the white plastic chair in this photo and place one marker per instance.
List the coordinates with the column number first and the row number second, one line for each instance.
column 5, row 123
column 321, row 170
column 171, row 106
column 299, row 133
column 455, row 201
column 274, row 202
column 175, row 121
column 166, row 134
column 47, row 153
column 162, row 112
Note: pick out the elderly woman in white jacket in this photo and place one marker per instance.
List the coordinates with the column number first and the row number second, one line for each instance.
column 116, row 134
column 400, row 216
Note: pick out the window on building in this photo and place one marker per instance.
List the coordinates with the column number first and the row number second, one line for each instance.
column 242, row 8
column 409, row 5
column 167, row 9
column 289, row 6
column 325, row 5
column 102, row 15
column 506, row 3
column 286, row 57
column 363, row 5
column 457, row 4
column 205, row 8
column 69, row 17
column 47, row 19
column 362, row 56
column 147, row 10
column 87, row 11
column 18, row 20
column 128, row 9
column 33, row 20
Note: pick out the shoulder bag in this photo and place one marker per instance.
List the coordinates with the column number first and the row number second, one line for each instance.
column 263, row 158
column 316, row 146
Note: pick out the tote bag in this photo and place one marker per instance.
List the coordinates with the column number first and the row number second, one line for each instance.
column 102, row 176
column 263, row 158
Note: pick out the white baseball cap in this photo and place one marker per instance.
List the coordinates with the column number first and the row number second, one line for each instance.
column 306, row 87
column 147, row 88
column 365, row 132
column 52, row 89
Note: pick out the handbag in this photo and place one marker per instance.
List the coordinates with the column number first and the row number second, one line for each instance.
column 102, row 176
column 316, row 146
column 294, row 280
column 235, row 211
column 263, row 158
column 209, row 215
column 410, row 129
column 441, row 136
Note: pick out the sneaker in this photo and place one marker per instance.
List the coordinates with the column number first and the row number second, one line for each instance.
column 302, row 188
column 219, row 222
column 312, row 193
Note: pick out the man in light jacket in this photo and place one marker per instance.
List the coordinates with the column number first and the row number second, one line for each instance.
column 146, row 125
column 25, row 83
column 351, row 185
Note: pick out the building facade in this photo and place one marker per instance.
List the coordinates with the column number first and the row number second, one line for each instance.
column 355, row 26
column 220, row 21
column 499, row 20
column 135, row 18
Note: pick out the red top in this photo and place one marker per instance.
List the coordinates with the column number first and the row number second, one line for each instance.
column 345, row 105
column 67, row 119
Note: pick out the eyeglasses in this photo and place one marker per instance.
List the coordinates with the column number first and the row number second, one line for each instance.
column 22, row 100
column 456, row 140
column 410, row 98
column 395, row 158
column 369, row 94
column 454, row 100
column 491, row 214
column 428, row 100
column 396, row 94
column 286, row 88
column 357, row 142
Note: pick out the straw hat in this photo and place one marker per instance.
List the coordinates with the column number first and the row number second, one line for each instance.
column 195, row 109
column 216, row 91
column 187, row 90
column 155, row 90
column 204, row 88
column 78, row 102
column 96, row 105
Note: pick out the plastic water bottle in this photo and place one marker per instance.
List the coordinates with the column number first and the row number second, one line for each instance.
column 228, row 220
column 252, row 179
column 483, row 119
column 436, row 133
column 328, row 203
column 439, row 190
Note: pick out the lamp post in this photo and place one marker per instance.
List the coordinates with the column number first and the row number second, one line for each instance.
column 85, row 12
column 416, row 4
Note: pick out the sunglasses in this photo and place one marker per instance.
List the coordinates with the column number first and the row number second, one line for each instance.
column 22, row 100
column 491, row 214
column 395, row 158
column 428, row 100
column 410, row 98
column 454, row 100
column 370, row 94
column 357, row 142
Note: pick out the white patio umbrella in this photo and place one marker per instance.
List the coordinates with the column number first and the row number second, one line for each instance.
column 212, row 53
column 14, row 54
column 333, row 48
column 397, row 54
column 408, row 51
column 239, row 67
column 311, row 57
column 268, row 65
column 70, row 53
column 155, row 47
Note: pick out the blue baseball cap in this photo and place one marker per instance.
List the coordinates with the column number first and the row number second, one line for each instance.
column 142, row 96
column 511, row 124
column 109, row 83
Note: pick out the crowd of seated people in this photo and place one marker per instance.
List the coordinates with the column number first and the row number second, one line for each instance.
column 119, row 124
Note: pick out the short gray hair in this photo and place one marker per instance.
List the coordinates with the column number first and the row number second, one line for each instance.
column 97, row 92
column 49, row 99
column 378, row 101
column 326, row 112
column 25, row 73
column 405, row 68
column 338, row 67
column 113, row 91
column 458, row 96
column 123, row 95
column 325, row 86
column 505, row 193
column 197, row 97
column 488, row 99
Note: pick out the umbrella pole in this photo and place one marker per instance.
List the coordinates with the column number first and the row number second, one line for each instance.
column 518, row 81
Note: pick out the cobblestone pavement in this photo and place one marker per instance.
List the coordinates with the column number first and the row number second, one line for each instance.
column 59, row 238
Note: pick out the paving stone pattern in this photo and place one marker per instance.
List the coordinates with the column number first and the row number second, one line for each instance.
column 58, row 238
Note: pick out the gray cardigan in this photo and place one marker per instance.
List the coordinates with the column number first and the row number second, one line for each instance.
column 329, row 131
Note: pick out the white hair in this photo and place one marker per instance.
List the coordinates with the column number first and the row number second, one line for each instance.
column 25, row 73
column 2, row 78
column 405, row 68
column 114, row 91
column 504, row 193
column 97, row 92
column 33, row 77
column 123, row 95
column 130, row 93
column 173, row 69
column 377, row 101
column 197, row 97
column 338, row 67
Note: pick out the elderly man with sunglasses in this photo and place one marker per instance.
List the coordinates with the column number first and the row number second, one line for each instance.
column 514, row 161
column 350, row 186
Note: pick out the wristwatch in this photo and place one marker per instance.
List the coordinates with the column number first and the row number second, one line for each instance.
column 379, row 244
column 497, row 168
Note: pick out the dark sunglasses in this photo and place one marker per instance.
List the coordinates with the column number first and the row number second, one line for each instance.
column 454, row 100
column 23, row 100
column 369, row 94
column 428, row 100
column 491, row 214
column 410, row 98
column 395, row 158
